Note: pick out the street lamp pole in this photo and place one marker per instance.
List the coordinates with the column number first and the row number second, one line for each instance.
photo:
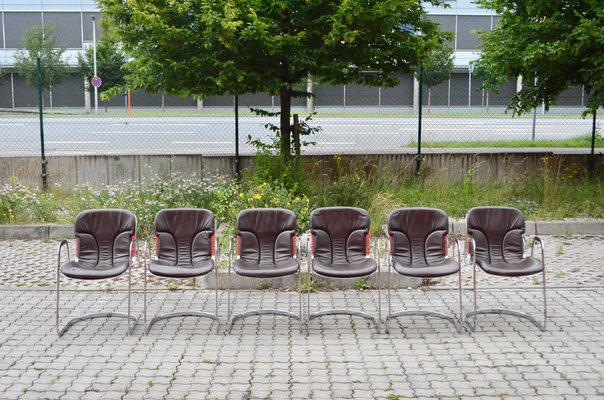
column 96, row 90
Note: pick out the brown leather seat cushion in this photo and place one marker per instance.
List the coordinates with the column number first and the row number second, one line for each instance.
column 497, row 232
column 104, row 237
column 526, row 266
column 100, row 270
column 185, row 243
column 445, row 267
column 418, row 242
column 344, row 270
column 265, row 270
column 340, row 242
column 266, row 243
column 185, row 270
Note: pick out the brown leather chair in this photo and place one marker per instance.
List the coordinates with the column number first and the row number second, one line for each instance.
column 185, row 247
column 266, row 249
column 105, row 249
column 497, row 247
column 418, row 247
column 341, row 250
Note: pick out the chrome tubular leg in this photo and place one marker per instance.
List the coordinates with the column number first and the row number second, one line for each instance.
column 145, row 297
column 544, row 302
column 308, row 301
column 129, row 291
column 58, row 288
column 387, row 321
column 216, row 298
column 300, row 296
column 379, row 288
column 460, row 301
column 229, row 285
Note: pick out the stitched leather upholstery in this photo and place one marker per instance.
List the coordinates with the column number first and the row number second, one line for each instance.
column 104, row 238
column 418, row 242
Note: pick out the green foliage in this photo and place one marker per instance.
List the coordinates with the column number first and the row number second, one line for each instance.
column 552, row 191
column 208, row 47
column 552, row 45
column 110, row 59
column 20, row 204
column 438, row 66
column 40, row 41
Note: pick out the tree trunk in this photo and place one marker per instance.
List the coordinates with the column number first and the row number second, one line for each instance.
column 285, row 95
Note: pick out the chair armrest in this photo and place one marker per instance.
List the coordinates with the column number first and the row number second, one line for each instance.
column 457, row 245
column 63, row 243
column 537, row 239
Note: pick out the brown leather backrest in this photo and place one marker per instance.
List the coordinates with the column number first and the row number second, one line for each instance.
column 184, row 235
column 498, row 233
column 104, row 235
column 340, row 234
column 265, row 234
column 418, row 234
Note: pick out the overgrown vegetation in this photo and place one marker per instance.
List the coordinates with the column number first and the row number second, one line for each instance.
column 551, row 192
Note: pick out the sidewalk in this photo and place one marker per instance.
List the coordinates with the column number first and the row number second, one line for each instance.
column 267, row 358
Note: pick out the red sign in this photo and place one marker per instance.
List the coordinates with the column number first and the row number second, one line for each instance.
column 96, row 81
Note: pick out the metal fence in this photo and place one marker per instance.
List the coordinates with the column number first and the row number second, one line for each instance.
column 352, row 119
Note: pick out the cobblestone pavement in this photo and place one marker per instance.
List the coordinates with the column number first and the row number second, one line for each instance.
column 268, row 358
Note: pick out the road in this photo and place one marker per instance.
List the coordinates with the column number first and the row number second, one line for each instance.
column 20, row 136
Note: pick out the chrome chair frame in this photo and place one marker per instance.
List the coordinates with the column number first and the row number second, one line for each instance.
column 284, row 313
column 129, row 316
column 505, row 311
column 200, row 314
column 450, row 318
column 362, row 314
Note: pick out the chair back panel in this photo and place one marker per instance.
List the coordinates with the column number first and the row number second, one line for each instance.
column 265, row 234
column 185, row 235
column 497, row 232
column 418, row 234
column 340, row 234
column 104, row 235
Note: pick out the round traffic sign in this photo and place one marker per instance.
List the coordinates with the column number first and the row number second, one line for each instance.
column 96, row 81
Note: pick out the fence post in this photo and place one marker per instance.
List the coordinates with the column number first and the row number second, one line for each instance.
column 237, row 166
column 418, row 157
column 41, row 111
column 592, row 157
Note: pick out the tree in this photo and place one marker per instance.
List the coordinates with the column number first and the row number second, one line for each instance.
column 437, row 68
column 40, row 41
column 213, row 47
column 109, row 62
column 553, row 45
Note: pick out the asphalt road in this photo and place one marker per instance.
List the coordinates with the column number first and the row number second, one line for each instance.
column 216, row 135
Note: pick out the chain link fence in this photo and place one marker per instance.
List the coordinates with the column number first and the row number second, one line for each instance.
column 353, row 119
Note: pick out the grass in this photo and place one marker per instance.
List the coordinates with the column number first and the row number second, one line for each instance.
column 576, row 142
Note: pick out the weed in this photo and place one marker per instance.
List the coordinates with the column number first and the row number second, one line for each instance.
column 361, row 284
column 536, row 281
column 150, row 383
column 559, row 275
column 303, row 286
column 560, row 249
column 173, row 286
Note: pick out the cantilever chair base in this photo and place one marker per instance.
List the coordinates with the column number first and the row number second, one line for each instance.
column 501, row 311
column 263, row 312
column 84, row 317
column 343, row 312
column 201, row 314
column 436, row 314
